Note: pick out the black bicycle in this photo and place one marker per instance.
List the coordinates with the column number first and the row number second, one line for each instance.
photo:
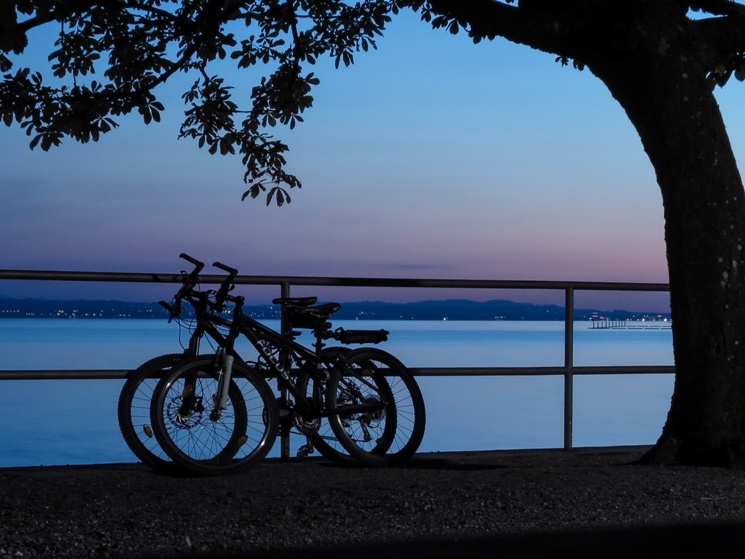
column 352, row 404
column 133, row 410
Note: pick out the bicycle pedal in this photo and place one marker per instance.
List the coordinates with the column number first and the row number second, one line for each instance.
column 305, row 450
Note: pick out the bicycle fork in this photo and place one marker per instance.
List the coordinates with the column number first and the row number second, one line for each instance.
column 223, row 383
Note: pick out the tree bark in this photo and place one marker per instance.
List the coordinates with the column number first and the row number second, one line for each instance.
column 666, row 95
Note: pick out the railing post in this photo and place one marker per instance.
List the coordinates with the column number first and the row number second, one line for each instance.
column 284, row 420
column 568, row 366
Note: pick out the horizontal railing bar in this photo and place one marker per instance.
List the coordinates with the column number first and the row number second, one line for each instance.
column 135, row 277
column 625, row 370
column 125, row 277
column 65, row 374
column 106, row 374
column 538, row 371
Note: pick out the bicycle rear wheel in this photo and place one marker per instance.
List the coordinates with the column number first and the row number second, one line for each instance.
column 385, row 418
column 200, row 439
column 325, row 440
column 133, row 411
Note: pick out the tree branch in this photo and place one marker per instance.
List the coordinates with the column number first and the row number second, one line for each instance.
column 487, row 19
column 35, row 21
column 150, row 9
column 726, row 35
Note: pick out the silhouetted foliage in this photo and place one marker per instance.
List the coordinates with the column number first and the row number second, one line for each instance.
column 112, row 54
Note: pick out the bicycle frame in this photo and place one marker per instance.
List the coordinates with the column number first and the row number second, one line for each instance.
column 345, row 401
column 268, row 342
column 265, row 340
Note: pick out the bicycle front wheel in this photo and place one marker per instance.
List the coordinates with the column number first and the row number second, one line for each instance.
column 377, row 409
column 202, row 439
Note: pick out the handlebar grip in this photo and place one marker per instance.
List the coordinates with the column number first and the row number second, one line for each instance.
column 173, row 310
column 227, row 285
column 194, row 261
column 228, row 269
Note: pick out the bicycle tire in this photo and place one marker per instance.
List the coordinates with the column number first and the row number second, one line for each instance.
column 133, row 412
column 181, row 415
column 325, row 441
column 392, row 433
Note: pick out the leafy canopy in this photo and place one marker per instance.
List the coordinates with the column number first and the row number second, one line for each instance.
column 110, row 56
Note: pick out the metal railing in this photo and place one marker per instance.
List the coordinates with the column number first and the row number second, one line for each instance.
column 568, row 371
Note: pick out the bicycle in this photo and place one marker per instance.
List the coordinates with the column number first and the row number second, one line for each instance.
column 373, row 406
column 137, row 393
column 133, row 408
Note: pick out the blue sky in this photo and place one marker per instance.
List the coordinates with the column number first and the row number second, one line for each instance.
column 430, row 157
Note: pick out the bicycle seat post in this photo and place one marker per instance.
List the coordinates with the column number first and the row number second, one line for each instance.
column 318, row 333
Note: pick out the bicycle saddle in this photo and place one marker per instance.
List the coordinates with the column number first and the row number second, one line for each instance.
column 312, row 317
column 325, row 309
column 295, row 301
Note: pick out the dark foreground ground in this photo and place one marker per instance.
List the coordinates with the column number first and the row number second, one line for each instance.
column 582, row 503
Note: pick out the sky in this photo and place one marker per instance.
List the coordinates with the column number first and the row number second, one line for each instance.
column 430, row 157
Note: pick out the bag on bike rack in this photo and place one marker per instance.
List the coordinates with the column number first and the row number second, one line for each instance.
column 360, row 336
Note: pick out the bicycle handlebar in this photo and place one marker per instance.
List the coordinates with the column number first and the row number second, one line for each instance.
column 232, row 271
column 199, row 265
column 189, row 281
column 225, row 287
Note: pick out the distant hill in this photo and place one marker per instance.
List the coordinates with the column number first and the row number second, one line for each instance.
column 78, row 308
column 463, row 309
column 453, row 309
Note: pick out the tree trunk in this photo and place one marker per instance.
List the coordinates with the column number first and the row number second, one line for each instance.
column 654, row 61
column 671, row 104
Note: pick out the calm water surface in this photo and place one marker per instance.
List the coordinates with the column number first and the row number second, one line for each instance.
column 74, row 422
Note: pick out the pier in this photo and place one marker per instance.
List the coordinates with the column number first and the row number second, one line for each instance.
column 630, row 325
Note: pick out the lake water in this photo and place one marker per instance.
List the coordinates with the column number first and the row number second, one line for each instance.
column 74, row 421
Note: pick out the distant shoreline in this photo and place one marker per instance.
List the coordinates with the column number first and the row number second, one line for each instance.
column 451, row 309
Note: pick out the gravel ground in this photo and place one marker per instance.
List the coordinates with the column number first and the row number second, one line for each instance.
column 437, row 505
